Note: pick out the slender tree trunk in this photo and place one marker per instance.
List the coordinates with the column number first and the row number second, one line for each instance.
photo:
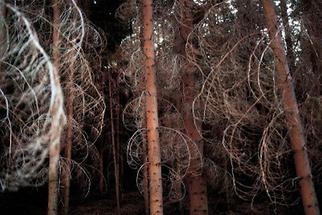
column 106, row 137
column 101, row 183
column 177, row 186
column 115, row 160
column 197, row 187
column 288, row 36
column 117, row 137
column 152, row 121
column 54, row 146
column 146, row 181
column 69, row 137
column 293, row 121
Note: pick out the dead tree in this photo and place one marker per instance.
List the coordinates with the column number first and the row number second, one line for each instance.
column 152, row 121
column 292, row 117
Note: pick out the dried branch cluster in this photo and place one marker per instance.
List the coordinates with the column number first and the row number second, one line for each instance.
column 177, row 149
column 240, row 101
column 239, row 104
column 239, row 98
column 307, row 77
column 34, row 98
column 31, row 103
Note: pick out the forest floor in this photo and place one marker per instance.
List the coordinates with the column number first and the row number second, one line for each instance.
column 34, row 202
column 131, row 204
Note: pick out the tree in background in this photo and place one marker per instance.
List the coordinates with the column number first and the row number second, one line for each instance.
column 197, row 186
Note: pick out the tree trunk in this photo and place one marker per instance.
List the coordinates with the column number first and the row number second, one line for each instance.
column 197, row 187
column 68, row 137
column 54, row 145
column 114, row 147
column 152, row 121
column 146, row 181
column 101, row 183
column 106, row 133
column 288, row 36
column 116, row 97
column 293, row 121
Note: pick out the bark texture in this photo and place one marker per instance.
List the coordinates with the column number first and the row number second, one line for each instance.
column 69, row 138
column 293, row 121
column 115, row 150
column 197, row 186
column 152, row 121
column 54, row 147
column 146, row 182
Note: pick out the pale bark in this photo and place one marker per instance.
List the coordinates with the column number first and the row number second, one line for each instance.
column 54, row 147
column 152, row 121
column 292, row 117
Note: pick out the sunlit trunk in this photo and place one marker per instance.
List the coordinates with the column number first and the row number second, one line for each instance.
column 293, row 121
column 152, row 121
